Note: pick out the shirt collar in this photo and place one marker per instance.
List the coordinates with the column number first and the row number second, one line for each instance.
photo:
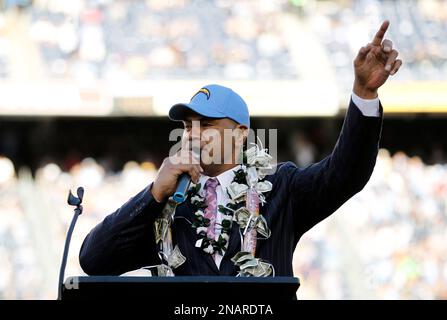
column 225, row 178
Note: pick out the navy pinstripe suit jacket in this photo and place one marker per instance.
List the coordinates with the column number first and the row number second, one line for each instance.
column 300, row 199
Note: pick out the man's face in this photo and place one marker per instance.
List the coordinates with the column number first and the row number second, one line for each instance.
column 220, row 140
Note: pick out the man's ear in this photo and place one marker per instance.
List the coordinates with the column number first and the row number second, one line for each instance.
column 241, row 131
column 240, row 135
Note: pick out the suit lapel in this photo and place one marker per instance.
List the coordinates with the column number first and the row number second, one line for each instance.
column 234, row 243
column 185, row 210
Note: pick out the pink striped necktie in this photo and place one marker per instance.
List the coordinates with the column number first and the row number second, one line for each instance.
column 211, row 209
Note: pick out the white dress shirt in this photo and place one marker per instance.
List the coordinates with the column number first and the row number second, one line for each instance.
column 368, row 107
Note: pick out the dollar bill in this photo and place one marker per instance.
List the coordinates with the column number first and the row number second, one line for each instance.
column 176, row 258
column 164, row 271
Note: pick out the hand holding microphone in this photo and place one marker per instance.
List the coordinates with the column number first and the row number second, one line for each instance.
column 175, row 173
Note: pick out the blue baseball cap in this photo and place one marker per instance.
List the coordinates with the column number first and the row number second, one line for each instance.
column 214, row 101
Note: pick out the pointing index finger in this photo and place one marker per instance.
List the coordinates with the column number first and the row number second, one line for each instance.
column 379, row 35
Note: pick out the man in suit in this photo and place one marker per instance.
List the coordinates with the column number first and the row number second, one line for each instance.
column 299, row 199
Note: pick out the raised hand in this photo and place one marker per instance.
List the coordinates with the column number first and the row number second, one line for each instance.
column 374, row 64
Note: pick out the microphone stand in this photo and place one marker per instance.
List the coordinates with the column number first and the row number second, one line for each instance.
column 72, row 201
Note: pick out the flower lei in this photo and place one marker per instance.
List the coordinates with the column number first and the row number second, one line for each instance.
column 201, row 224
column 257, row 161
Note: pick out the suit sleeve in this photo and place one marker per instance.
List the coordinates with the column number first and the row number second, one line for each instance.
column 320, row 189
column 124, row 240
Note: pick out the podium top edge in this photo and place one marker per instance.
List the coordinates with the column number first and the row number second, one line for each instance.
column 184, row 279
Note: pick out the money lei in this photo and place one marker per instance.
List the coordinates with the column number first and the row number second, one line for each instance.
column 170, row 256
column 246, row 189
column 257, row 164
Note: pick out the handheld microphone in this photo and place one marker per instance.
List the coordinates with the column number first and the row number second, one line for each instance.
column 182, row 188
column 184, row 181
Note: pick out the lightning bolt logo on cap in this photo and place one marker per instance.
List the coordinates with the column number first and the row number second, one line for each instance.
column 205, row 91
column 225, row 103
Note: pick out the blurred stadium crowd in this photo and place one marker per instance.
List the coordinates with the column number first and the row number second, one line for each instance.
column 91, row 39
column 398, row 222
column 418, row 30
column 387, row 242
column 85, row 39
